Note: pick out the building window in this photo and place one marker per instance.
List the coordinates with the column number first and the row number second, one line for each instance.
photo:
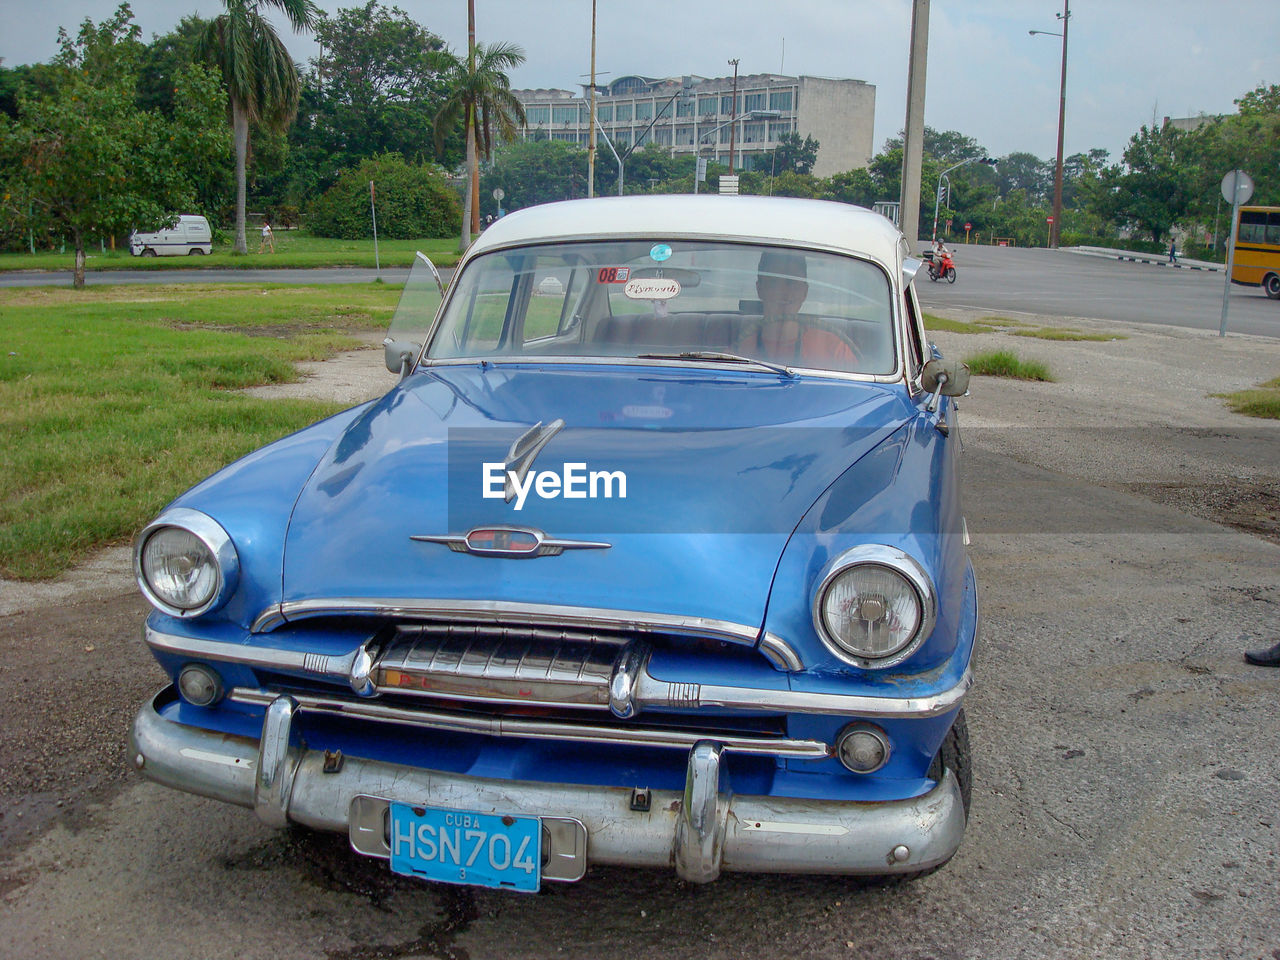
column 604, row 114
column 753, row 133
column 778, row 128
column 684, row 108
column 726, row 105
column 622, row 139
column 753, row 101
column 726, row 132
column 569, row 137
column 624, row 112
column 564, row 114
column 644, row 110
column 707, row 106
column 662, row 136
column 538, row 114
column 684, row 136
column 780, row 100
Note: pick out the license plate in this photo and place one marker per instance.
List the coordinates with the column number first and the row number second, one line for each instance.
column 458, row 846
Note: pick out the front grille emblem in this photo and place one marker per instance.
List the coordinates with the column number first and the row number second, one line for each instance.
column 511, row 542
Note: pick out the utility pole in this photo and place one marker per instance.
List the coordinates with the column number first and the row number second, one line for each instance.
column 733, row 114
column 474, row 227
column 1062, row 118
column 591, row 121
column 913, row 132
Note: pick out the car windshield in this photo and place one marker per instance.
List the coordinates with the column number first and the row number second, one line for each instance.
column 641, row 298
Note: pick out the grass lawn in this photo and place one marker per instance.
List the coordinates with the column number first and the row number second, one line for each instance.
column 293, row 249
column 115, row 399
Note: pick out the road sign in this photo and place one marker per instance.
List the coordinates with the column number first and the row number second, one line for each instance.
column 1237, row 187
column 702, row 169
column 968, row 226
column 498, row 194
column 1048, row 219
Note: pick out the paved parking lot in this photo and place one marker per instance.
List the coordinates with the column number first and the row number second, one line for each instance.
column 1126, row 785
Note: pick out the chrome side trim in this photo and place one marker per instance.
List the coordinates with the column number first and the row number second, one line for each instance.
column 544, row 546
column 630, row 686
column 530, row 729
column 495, row 611
column 780, row 653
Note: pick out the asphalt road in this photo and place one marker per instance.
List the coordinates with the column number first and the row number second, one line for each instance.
column 1058, row 282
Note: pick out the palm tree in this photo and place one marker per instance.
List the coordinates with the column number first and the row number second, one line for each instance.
column 480, row 95
column 260, row 76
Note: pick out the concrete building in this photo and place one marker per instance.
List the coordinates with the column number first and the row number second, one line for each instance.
column 696, row 114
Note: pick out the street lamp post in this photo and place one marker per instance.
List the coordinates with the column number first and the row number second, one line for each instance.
column 1065, row 17
column 733, row 113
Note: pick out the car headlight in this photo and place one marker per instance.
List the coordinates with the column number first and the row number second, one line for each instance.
column 873, row 605
column 185, row 563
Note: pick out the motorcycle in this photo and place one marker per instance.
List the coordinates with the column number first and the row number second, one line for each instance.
column 941, row 266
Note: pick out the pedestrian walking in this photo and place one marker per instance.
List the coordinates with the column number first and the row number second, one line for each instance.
column 1173, row 252
column 268, row 238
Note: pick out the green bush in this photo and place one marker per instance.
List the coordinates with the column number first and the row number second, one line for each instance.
column 413, row 201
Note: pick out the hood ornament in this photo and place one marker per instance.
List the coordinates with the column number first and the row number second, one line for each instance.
column 511, row 542
column 524, row 451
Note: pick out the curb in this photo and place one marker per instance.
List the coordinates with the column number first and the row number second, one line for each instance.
column 1150, row 259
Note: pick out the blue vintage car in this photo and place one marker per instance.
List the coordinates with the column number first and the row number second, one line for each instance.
column 653, row 556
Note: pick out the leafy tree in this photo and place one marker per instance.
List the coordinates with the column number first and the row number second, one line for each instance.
column 87, row 162
column 794, row 154
column 950, row 146
column 260, row 77
column 480, row 97
column 541, row 171
column 1153, row 189
column 163, row 59
column 379, row 85
column 1025, row 171
column 413, row 201
column 853, row 186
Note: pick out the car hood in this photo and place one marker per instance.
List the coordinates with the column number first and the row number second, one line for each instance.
column 719, row 468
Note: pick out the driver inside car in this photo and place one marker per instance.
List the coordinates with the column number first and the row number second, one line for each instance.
column 782, row 286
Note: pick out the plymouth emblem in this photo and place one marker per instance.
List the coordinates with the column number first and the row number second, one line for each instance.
column 510, row 542
column 525, row 450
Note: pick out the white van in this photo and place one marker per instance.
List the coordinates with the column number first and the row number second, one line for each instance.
column 190, row 235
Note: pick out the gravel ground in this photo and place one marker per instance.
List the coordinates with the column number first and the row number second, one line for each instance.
column 1126, row 790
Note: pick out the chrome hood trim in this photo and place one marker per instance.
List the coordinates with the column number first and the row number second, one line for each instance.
column 491, row 611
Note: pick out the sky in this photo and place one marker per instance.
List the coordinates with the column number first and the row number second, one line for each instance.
column 1128, row 61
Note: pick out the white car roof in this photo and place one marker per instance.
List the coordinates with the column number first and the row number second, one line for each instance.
column 785, row 221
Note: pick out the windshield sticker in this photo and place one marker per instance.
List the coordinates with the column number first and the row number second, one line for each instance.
column 659, row 252
column 613, row 275
column 651, row 288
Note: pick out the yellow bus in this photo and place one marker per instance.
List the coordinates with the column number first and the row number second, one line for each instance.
column 1257, row 260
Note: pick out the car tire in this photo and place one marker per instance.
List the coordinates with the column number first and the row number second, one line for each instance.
column 951, row 274
column 953, row 755
column 195, row 252
column 148, row 252
column 1271, row 286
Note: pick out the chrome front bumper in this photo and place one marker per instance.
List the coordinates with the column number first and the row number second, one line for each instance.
column 700, row 831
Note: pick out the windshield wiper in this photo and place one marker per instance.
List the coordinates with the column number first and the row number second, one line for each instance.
column 725, row 357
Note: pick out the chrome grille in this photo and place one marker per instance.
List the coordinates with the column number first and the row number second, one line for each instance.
column 537, row 666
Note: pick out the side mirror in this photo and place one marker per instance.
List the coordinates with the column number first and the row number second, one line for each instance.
column 399, row 354
column 949, row 378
